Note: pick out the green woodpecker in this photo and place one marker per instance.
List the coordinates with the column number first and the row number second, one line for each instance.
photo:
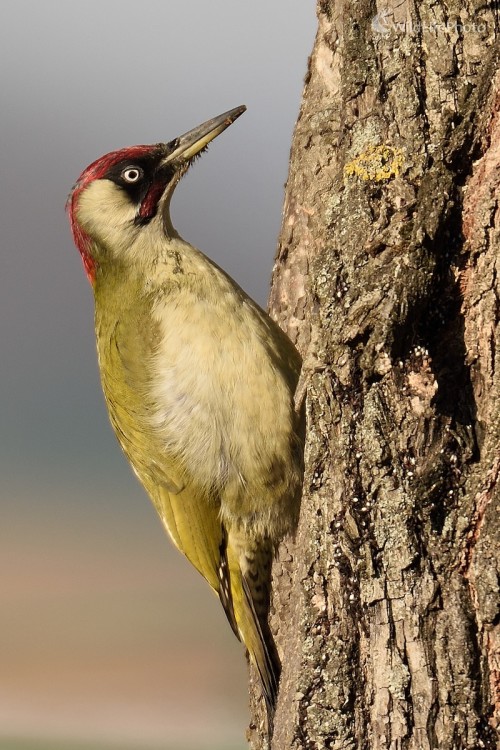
column 199, row 381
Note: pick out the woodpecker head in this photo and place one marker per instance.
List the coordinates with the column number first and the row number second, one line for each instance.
column 118, row 196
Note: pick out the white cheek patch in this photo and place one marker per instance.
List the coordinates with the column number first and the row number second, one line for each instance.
column 103, row 208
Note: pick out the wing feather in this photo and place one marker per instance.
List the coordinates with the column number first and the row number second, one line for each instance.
column 194, row 527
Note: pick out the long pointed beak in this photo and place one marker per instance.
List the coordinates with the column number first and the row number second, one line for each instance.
column 192, row 142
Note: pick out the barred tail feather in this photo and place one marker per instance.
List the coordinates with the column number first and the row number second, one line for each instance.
column 244, row 591
column 264, row 655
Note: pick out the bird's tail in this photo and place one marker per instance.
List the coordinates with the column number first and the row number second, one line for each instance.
column 245, row 576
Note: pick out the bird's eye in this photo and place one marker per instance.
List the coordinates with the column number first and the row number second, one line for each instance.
column 132, row 174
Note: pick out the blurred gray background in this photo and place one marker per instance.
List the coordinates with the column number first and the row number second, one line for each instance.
column 108, row 638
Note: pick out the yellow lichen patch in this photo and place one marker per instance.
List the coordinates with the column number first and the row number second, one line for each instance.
column 376, row 163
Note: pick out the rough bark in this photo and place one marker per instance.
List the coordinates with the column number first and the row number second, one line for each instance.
column 386, row 602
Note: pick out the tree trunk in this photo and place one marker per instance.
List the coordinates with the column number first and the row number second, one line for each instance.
column 385, row 604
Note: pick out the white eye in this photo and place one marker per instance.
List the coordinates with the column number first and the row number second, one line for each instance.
column 132, row 174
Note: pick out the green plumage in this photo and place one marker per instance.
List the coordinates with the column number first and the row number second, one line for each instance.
column 199, row 384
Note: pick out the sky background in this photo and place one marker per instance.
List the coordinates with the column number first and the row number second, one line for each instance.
column 108, row 638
